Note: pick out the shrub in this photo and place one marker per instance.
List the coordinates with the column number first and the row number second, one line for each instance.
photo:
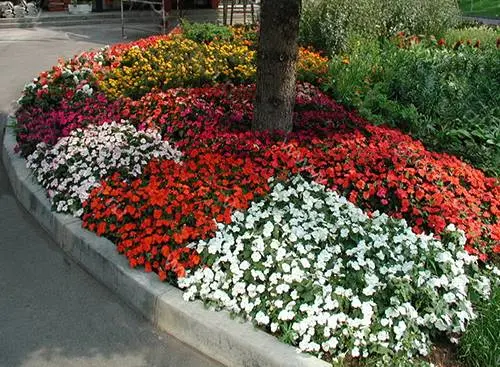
column 328, row 24
column 206, row 32
column 457, row 92
column 354, row 73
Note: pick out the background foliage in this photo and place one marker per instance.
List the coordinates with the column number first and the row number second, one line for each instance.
column 328, row 24
column 444, row 92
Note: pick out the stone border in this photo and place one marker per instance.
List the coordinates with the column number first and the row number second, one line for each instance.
column 214, row 334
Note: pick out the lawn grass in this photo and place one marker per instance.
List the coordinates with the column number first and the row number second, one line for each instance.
column 484, row 8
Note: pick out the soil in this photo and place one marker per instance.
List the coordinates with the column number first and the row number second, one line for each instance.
column 444, row 355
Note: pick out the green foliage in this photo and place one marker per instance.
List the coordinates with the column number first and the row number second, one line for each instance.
column 354, row 74
column 329, row 24
column 479, row 346
column 446, row 97
column 458, row 91
column 206, row 32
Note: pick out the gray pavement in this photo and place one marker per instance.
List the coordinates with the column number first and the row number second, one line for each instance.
column 52, row 313
column 484, row 20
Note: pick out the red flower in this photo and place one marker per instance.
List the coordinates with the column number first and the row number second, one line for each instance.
column 225, row 167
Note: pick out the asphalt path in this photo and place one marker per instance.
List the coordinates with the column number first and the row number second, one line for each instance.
column 53, row 313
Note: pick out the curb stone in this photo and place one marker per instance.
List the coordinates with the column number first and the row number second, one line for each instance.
column 214, row 334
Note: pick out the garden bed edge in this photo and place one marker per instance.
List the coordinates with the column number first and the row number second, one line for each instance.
column 214, row 334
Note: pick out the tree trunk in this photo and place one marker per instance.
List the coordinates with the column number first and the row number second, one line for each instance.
column 276, row 63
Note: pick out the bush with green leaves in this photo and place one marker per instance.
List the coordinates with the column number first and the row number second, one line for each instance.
column 206, row 32
column 443, row 95
column 457, row 92
column 328, row 24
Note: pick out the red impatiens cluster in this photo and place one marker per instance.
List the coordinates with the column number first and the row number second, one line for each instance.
column 153, row 218
column 226, row 165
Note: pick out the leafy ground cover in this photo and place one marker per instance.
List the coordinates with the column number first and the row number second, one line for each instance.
column 348, row 240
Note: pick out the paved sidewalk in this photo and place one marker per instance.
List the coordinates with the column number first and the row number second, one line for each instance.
column 52, row 313
column 483, row 20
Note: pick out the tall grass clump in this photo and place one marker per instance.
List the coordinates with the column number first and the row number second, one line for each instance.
column 479, row 346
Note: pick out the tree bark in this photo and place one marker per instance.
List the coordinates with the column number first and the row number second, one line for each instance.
column 276, row 64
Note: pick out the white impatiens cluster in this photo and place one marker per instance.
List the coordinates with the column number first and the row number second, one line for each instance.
column 309, row 266
column 74, row 166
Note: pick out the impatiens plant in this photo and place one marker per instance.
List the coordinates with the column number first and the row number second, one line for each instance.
column 62, row 82
column 34, row 125
column 376, row 167
column 153, row 217
column 310, row 267
column 77, row 163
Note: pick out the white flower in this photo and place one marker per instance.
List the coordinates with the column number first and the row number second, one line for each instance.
column 282, row 288
column 382, row 335
column 268, row 229
column 285, row 315
column 280, row 254
column 256, row 256
column 261, row 318
column 440, row 325
column 315, row 280
column 355, row 352
column 449, row 297
column 244, row 265
column 356, row 303
column 305, row 263
column 399, row 329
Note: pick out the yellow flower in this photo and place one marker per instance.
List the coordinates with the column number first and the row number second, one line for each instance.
column 169, row 63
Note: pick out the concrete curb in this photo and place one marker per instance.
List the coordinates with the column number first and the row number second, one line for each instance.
column 214, row 334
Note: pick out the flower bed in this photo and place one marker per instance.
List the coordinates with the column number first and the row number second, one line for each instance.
column 197, row 197
column 314, row 269
column 74, row 166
